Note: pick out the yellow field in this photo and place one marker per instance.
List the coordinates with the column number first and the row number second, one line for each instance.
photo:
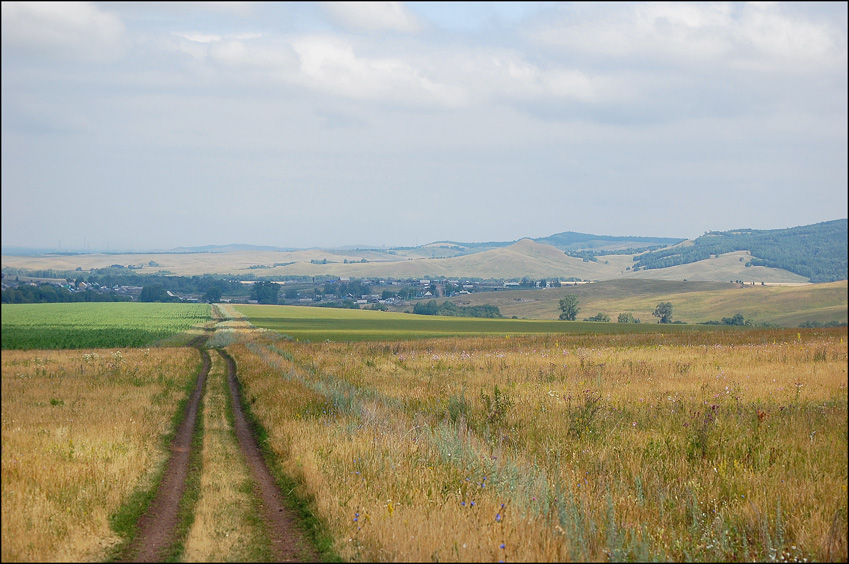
column 693, row 445
column 81, row 431
column 702, row 446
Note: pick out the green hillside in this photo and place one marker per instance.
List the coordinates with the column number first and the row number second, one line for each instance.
column 817, row 252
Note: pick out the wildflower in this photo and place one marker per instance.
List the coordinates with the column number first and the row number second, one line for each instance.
column 503, row 545
column 498, row 518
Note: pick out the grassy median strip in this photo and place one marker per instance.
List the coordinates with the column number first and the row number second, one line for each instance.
column 227, row 526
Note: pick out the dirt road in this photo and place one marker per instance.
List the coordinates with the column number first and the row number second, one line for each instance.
column 157, row 528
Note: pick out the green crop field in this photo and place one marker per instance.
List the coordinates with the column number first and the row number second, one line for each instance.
column 95, row 325
column 320, row 324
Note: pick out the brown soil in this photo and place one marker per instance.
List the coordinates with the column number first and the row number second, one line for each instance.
column 157, row 527
column 288, row 543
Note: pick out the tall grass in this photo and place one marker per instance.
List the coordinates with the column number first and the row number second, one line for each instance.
column 685, row 446
column 82, row 431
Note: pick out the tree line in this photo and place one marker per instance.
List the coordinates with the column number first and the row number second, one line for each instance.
column 570, row 309
column 48, row 293
column 453, row 310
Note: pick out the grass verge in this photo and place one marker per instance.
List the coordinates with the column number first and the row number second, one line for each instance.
column 124, row 521
column 314, row 529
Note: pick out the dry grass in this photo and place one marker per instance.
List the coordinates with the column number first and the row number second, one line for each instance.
column 694, row 446
column 226, row 527
column 81, row 431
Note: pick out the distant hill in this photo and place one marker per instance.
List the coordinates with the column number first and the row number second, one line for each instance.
column 572, row 241
column 817, row 252
column 813, row 253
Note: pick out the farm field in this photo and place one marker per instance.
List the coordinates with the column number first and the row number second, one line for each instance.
column 417, row 438
column 693, row 302
column 96, row 325
column 333, row 324
column 701, row 446
column 83, row 433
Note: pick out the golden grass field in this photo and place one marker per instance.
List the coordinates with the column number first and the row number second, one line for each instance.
column 696, row 446
column 82, row 430
column 692, row 445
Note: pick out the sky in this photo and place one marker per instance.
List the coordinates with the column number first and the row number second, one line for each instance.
column 155, row 125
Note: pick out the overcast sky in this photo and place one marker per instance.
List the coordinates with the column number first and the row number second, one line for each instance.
column 138, row 126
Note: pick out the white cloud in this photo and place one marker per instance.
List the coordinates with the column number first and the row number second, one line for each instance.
column 758, row 36
column 582, row 103
column 199, row 37
column 781, row 42
column 63, row 30
column 508, row 75
column 373, row 16
column 331, row 65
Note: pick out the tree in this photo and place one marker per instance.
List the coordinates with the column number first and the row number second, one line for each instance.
column 736, row 320
column 212, row 294
column 625, row 318
column 600, row 316
column 664, row 312
column 265, row 292
column 569, row 307
column 154, row 293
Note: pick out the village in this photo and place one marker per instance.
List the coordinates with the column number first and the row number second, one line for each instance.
column 342, row 291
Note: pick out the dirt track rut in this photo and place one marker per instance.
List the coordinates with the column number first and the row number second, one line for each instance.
column 287, row 543
column 157, row 528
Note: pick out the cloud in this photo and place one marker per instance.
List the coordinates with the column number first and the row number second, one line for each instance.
column 199, row 37
column 372, row 16
column 63, row 30
column 784, row 42
column 757, row 36
column 330, row 64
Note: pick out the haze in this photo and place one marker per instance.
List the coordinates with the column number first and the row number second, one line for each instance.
column 142, row 126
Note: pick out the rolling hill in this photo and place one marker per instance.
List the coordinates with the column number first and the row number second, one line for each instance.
column 794, row 255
